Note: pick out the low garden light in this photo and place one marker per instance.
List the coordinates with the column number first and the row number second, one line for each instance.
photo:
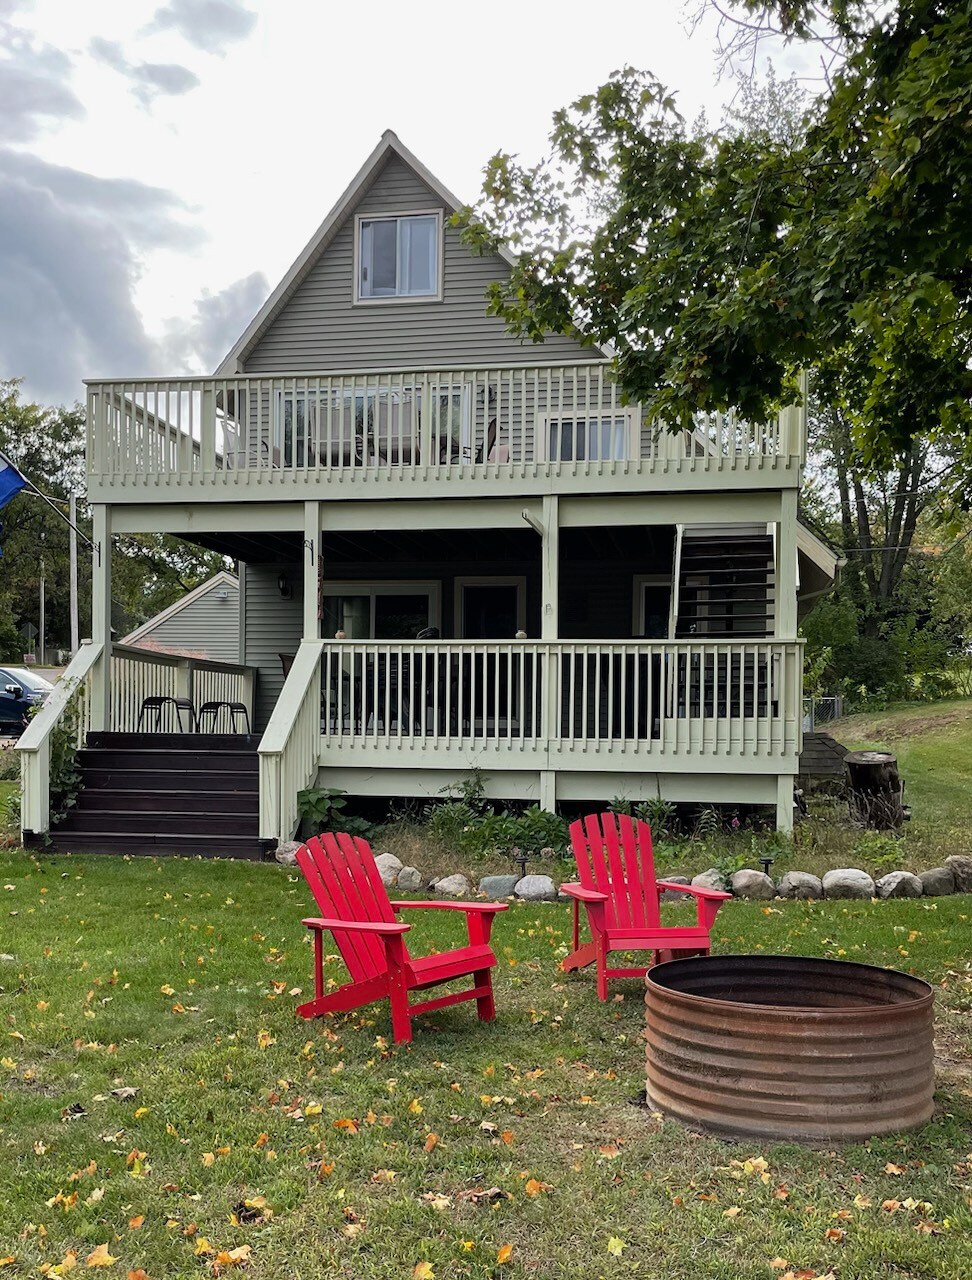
column 766, row 862
column 519, row 860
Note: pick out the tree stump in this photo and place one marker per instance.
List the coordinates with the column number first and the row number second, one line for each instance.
column 875, row 792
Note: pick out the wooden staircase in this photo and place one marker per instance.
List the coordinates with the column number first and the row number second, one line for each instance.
column 163, row 793
column 725, row 586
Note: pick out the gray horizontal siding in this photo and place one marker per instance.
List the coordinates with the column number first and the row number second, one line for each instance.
column 271, row 626
column 321, row 328
column 207, row 628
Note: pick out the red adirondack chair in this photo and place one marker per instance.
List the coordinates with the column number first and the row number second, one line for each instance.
column 621, row 895
column 347, row 887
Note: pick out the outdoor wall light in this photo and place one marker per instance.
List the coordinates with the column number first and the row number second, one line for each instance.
column 284, row 587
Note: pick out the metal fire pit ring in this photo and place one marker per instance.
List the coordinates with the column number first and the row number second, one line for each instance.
column 790, row 1047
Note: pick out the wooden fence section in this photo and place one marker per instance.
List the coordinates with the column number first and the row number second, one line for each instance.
column 733, row 699
column 260, row 432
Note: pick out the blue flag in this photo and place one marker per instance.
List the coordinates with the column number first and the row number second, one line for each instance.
column 11, row 481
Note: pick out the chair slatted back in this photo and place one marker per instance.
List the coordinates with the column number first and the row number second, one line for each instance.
column 346, row 885
column 614, row 856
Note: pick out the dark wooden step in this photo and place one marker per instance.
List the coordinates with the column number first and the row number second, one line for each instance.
column 180, row 824
column 137, row 758
column 211, row 782
column 132, row 801
column 240, row 742
column 154, row 843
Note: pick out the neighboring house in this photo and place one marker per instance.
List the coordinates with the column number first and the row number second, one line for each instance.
column 617, row 604
column 204, row 623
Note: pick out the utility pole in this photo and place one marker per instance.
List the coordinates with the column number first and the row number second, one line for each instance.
column 43, row 609
column 73, row 570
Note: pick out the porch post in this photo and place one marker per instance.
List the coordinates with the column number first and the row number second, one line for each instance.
column 312, row 571
column 100, row 715
column 786, row 567
column 786, row 629
column 550, row 631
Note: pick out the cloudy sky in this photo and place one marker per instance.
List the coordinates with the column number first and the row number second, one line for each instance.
column 163, row 161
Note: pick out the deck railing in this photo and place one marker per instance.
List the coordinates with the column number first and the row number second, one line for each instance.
column 134, row 674
column 689, row 698
column 523, row 420
column 290, row 745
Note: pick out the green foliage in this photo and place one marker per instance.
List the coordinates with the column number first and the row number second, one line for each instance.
column 661, row 815
column 477, row 833
column 65, row 776
column 708, row 824
column 10, row 813
column 470, row 791
column 879, row 849
column 720, row 265
column 323, row 809
column 9, row 765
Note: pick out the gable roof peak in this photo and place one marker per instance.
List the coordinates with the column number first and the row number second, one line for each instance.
column 388, row 144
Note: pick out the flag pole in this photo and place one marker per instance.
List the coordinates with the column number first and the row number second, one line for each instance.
column 29, row 484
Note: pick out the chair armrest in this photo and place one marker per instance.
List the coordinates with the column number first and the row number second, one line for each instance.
column 475, row 907
column 390, row 929
column 584, row 895
column 711, row 895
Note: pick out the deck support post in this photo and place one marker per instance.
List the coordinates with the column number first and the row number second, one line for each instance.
column 550, row 631
column 100, row 714
column 312, row 571
column 784, row 803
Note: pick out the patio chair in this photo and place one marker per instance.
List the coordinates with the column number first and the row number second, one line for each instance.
column 621, row 895
column 356, row 910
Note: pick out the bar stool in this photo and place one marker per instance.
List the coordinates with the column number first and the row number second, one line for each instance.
column 234, row 709
column 156, row 705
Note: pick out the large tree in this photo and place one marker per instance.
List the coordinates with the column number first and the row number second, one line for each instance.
column 717, row 265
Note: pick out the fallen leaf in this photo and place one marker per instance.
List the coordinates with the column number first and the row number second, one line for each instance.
column 534, row 1188
column 504, row 1253
column 732, row 1212
column 437, row 1200
column 431, row 1142
column 507, row 1136
column 778, row 1264
column 349, row 1126
column 136, row 1222
column 67, row 1263
column 415, row 1107
column 834, row 1233
column 616, row 1246
column 138, row 1275
column 207, row 1159
column 100, row 1257
column 265, row 1039
column 488, row 1195
column 384, row 1175
column 896, row 1170
column 423, row 1271
column 124, row 1093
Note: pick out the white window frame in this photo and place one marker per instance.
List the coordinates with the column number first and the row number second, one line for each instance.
column 632, row 447
column 639, row 582
column 386, row 587
column 475, row 580
column 439, row 257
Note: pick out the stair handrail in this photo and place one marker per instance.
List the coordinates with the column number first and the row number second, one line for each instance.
column 34, row 743
column 290, row 747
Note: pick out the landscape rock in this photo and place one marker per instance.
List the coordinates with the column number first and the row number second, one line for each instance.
column 848, row 882
column 711, row 879
column 286, row 853
column 536, row 889
column 752, row 884
column 498, row 886
column 800, row 884
column 960, row 866
column 899, row 884
column 388, row 868
column 456, row 886
column 669, row 895
column 410, row 879
column 937, row 882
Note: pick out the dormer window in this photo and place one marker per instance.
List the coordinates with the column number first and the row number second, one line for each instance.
column 399, row 257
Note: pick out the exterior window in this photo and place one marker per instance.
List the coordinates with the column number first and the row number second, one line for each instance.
column 601, row 439
column 398, row 257
column 380, row 610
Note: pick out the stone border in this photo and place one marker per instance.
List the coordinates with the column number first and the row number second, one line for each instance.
column 842, row 882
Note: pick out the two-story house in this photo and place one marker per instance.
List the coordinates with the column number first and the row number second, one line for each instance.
column 456, row 551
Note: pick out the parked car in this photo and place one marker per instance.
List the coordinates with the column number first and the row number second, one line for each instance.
column 20, row 690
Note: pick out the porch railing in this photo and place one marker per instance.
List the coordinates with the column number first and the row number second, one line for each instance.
column 270, row 429
column 134, row 674
column 290, row 744
column 739, row 697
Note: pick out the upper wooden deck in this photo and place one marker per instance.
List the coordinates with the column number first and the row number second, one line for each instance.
column 476, row 432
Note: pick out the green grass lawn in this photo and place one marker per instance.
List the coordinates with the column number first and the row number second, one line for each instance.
column 179, row 979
